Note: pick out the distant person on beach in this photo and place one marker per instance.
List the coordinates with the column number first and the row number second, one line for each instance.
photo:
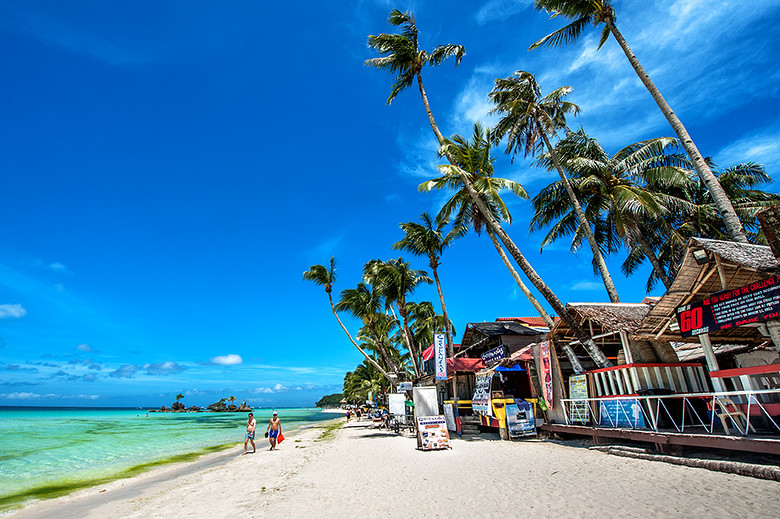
column 273, row 430
column 251, row 424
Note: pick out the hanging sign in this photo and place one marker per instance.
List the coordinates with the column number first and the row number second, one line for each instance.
column 480, row 402
column 491, row 357
column 757, row 302
column 440, row 354
column 547, row 384
column 432, row 433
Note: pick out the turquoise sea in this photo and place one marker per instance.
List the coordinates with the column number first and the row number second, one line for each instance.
column 46, row 452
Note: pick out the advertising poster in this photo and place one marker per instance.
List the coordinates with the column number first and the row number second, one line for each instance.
column 432, row 433
column 547, row 383
column 520, row 419
column 621, row 412
column 440, row 356
column 757, row 302
column 480, row 402
column 578, row 388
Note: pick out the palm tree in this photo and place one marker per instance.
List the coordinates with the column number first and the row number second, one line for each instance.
column 401, row 55
column 598, row 12
column 696, row 215
column 397, row 52
column 326, row 277
column 179, row 397
column 529, row 120
column 231, row 399
column 474, row 156
column 365, row 302
column 395, row 280
column 428, row 239
column 613, row 191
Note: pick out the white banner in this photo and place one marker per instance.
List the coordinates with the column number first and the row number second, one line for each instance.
column 440, row 356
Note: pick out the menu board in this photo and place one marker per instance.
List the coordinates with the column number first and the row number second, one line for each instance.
column 757, row 302
column 432, row 433
column 621, row 412
column 578, row 388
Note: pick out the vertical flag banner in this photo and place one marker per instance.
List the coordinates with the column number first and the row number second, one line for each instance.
column 440, row 354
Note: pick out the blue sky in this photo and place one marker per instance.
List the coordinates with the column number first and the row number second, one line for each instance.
column 171, row 168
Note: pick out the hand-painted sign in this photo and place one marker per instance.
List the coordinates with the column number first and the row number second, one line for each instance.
column 440, row 354
column 520, row 419
column 432, row 433
column 757, row 302
column 496, row 354
column 578, row 388
column 547, row 384
column 480, row 402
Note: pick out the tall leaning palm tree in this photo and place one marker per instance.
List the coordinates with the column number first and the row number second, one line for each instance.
column 401, row 55
column 528, row 122
column 613, row 190
column 326, row 277
column 395, row 280
column 475, row 157
column 601, row 12
column 396, row 59
column 365, row 303
column 429, row 239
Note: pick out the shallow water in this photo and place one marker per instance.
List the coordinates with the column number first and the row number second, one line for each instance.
column 45, row 452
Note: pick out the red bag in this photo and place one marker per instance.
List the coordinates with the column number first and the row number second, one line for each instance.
column 280, row 439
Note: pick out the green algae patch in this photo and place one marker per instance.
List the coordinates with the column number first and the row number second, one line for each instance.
column 66, row 486
column 330, row 432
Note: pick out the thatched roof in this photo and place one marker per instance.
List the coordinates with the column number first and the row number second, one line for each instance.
column 736, row 264
column 613, row 317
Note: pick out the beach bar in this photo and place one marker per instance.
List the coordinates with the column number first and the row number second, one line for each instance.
column 721, row 316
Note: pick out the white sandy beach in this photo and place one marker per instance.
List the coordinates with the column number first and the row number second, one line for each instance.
column 363, row 472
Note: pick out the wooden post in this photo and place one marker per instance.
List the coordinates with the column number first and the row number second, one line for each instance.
column 712, row 362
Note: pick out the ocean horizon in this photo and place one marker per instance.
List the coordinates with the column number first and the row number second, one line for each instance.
column 51, row 451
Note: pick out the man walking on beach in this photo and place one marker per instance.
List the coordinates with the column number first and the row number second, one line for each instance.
column 273, row 430
column 250, row 432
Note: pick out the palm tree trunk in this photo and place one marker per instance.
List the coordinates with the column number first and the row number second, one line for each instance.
column 649, row 253
column 593, row 350
column 428, row 111
column 719, row 196
column 575, row 362
column 406, row 333
column 447, row 324
column 380, row 347
column 368, row 357
column 584, row 223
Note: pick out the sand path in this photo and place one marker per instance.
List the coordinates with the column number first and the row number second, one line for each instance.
column 367, row 473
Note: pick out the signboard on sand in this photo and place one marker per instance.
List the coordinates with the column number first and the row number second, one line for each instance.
column 520, row 419
column 440, row 356
column 578, row 388
column 397, row 404
column 449, row 415
column 547, row 383
column 426, row 401
column 480, row 402
column 432, row 433
column 757, row 302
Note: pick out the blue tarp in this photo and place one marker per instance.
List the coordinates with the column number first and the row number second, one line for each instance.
column 516, row 367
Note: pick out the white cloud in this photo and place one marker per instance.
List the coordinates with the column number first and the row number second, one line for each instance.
column 84, row 347
column 227, row 360
column 501, row 10
column 35, row 396
column 163, row 368
column 762, row 146
column 12, row 311
column 587, row 285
